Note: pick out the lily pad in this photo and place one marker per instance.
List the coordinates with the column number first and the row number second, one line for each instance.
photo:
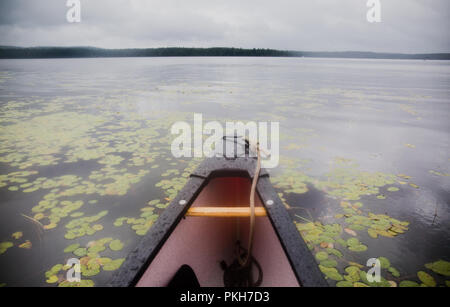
column 52, row 279
column 331, row 273
column 116, row 245
column 82, row 283
column 344, row 284
column 358, row 248
column 97, row 227
column 27, row 244
column 17, row 235
column 408, row 283
column 71, row 248
column 56, row 268
column 384, row 262
column 360, row 285
column 352, row 274
column 88, row 272
column 441, row 267
column 414, row 185
column 329, row 263
column 426, row 278
column 321, row 256
column 80, row 252
column 113, row 265
column 394, row 272
column 342, row 242
column 393, row 189
column 353, row 242
column 335, row 252
column 96, row 248
column 372, row 233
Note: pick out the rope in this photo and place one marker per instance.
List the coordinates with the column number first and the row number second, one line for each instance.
column 239, row 272
column 247, row 261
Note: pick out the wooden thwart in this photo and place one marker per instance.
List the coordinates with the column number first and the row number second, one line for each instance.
column 225, row 211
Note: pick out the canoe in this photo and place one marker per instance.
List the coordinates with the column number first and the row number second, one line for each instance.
column 206, row 228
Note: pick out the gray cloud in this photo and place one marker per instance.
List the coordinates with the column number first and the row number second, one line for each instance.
column 411, row 26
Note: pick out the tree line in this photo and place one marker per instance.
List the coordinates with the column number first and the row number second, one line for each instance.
column 8, row 52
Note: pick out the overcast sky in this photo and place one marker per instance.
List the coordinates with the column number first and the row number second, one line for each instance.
column 410, row 26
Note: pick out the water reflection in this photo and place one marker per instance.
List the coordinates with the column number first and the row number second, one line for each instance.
column 106, row 122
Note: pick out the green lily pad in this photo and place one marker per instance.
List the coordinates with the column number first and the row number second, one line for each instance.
column 352, row 274
column 352, row 269
column 356, row 227
column 71, row 248
column 97, row 248
column 77, row 214
column 335, row 252
column 359, row 285
column 414, row 185
column 331, row 273
column 352, row 242
column 342, row 242
column 344, row 284
column 329, row 263
column 88, row 272
column 113, row 265
column 441, row 267
column 394, row 272
column 372, row 233
column 97, row 227
column 52, row 279
column 384, row 262
column 382, row 283
column 358, row 248
column 426, row 278
column 17, row 235
column 82, row 283
column 80, row 252
column 4, row 246
column 56, row 268
column 408, row 283
column 116, row 245
column 321, row 256
column 141, row 232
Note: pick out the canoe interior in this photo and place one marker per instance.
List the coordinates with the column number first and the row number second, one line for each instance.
column 203, row 242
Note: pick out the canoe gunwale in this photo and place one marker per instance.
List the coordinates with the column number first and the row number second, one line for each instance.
column 302, row 262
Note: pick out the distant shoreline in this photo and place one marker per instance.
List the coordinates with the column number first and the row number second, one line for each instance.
column 11, row 52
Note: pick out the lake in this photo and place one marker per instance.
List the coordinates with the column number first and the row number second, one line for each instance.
column 86, row 166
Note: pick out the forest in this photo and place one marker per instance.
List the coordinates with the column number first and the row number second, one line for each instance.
column 9, row 52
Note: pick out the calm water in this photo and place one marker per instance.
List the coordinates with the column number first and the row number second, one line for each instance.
column 348, row 129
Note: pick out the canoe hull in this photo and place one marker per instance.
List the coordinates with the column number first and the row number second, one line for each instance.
column 287, row 261
column 203, row 242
